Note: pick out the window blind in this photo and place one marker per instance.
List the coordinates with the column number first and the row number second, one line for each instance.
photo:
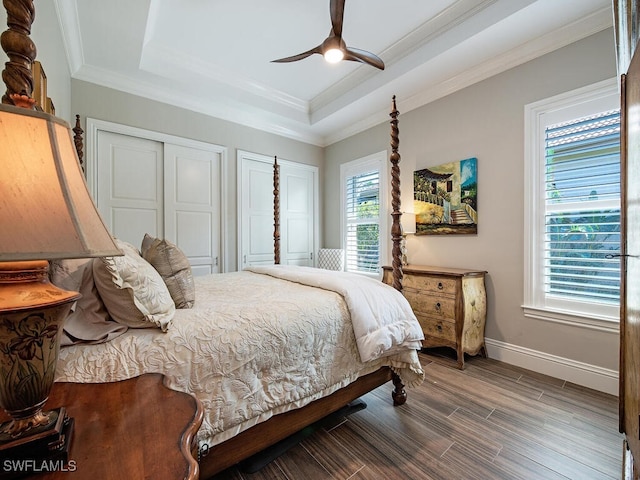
column 582, row 208
column 363, row 222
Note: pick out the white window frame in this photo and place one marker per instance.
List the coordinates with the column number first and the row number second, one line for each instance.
column 376, row 161
column 585, row 101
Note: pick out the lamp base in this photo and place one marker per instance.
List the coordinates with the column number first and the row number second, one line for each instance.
column 35, row 436
column 32, row 313
column 43, row 449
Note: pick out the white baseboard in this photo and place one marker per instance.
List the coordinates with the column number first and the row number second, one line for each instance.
column 591, row 376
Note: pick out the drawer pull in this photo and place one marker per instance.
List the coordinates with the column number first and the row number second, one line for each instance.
column 440, row 286
column 438, row 307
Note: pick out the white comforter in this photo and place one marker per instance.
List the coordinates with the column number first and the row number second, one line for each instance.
column 383, row 321
column 252, row 347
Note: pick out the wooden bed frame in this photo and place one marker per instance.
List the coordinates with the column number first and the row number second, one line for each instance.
column 265, row 434
column 19, row 80
column 281, row 426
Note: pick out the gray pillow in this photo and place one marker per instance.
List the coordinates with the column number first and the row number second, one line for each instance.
column 174, row 268
column 88, row 321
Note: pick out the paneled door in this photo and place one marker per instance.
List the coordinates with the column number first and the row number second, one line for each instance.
column 297, row 216
column 298, row 211
column 255, row 204
column 630, row 321
column 192, row 205
column 130, row 187
column 166, row 190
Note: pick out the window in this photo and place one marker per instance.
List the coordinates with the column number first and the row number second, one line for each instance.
column 363, row 213
column 572, row 212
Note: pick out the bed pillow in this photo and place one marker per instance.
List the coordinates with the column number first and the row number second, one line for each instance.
column 174, row 268
column 132, row 290
column 88, row 321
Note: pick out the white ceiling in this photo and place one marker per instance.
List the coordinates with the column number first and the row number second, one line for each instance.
column 214, row 56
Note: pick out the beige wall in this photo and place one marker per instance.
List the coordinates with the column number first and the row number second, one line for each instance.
column 90, row 100
column 486, row 121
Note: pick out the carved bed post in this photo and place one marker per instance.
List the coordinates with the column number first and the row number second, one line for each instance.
column 21, row 51
column 276, row 211
column 396, row 231
column 399, row 394
column 77, row 140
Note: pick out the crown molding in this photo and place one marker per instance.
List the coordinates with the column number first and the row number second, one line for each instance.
column 67, row 11
column 578, row 30
column 248, row 103
column 427, row 33
column 239, row 114
column 161, row 60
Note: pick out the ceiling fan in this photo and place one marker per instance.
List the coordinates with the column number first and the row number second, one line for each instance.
column 333, row 48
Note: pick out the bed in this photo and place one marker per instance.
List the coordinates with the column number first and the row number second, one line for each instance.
column 319, row 323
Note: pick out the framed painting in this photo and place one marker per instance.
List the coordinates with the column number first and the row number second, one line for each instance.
column 445, row 198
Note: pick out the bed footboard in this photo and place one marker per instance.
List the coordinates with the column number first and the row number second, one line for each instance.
column 263, row 435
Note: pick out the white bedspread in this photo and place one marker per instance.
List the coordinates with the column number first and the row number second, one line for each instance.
column 252, row 347
column 383, row 321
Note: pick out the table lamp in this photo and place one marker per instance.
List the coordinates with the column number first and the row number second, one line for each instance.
column 46, row 213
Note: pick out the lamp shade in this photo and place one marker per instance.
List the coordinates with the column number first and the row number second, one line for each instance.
column 46, row 211
column 408, row 223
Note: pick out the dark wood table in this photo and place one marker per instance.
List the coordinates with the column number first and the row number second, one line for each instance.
column 133, row 429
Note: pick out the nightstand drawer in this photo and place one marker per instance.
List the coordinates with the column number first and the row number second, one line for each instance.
column 433, row 283
column 432, row 305
column 443, row 329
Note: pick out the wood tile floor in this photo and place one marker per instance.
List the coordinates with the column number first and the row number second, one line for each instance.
column 489, row 421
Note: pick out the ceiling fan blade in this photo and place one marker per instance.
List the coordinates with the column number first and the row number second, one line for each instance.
column 362, row 56
column 299, row 56
column 336, row 8
column 335, row 41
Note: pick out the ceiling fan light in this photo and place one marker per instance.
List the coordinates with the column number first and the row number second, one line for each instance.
column 333, row 55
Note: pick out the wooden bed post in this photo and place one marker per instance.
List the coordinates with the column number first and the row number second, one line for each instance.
column 399, row 394
column 276, row 211
column 21, row 51
column 77, row 140
column 396, row 230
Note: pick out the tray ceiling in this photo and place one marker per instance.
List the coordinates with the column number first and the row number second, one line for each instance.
column 214, row 57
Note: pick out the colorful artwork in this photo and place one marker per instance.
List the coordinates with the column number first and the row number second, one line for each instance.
column 445, row 198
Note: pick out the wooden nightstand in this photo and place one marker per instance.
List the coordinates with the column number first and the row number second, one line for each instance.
column 134, row 429
column 450, row 304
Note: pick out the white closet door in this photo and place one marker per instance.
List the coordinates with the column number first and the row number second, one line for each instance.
column 256, row 210
column 298, row 211
column 297, row 208
column 129, row 193
column 166, row 186
column 192, row 205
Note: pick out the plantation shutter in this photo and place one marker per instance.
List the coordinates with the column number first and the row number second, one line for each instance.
column 362, row 218
column 582, row 209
